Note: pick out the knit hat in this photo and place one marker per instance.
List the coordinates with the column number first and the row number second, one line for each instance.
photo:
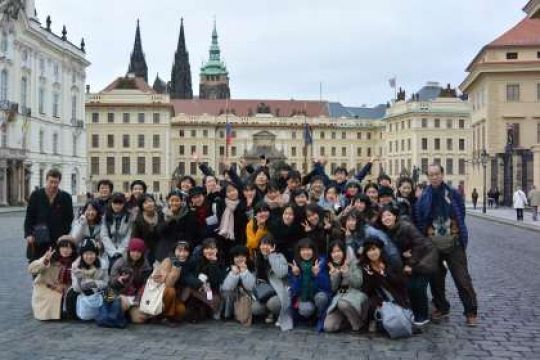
column 183, row 244
column 136, row 244
column 88, row 245
column 386, row 191
column 197, row 190
column 238, row 250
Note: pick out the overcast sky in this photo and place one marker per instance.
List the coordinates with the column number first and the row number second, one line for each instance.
column 281, row 49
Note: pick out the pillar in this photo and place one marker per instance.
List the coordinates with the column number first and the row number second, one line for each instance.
column 3, row 183
column 536, row 165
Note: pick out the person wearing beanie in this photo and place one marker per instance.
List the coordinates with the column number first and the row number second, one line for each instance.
column 116, row 228
column 237, row 286
column 378, row 274
column 52, row 279
column 386, row 195
column 87, row 276
column 128, row 277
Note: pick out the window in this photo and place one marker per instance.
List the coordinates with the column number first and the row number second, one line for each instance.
column 437, row 144
column 359, row 136
column 205, row 149
column 402, row 145
column 181, row 167
column 461, row 165
column 424, row 165
column 4, row 85
column 333, row 152
column 221, row 134
column 343, row 135
column 538, row 132
column 390, row 147
column 333, row 135
column 321, row 152
column 125, row 118
column 95, row 118
column 156, row 165
column 155, row 185
column 181, row 133
column 461, row 124
column 449, row 123
column 333, row 167
column 141, row 141
column 110, row 141
column 193, row 168
column 56, row 106
column 24, row 91
column 409, row 124
column 222, row 151
column 449, row 144
column 74, row 143
column 424, row 123
column 125, row 186
column 437, row 161
column 205, row 133
column 125, row 140
column 140, row 118
column 95, row 140
column 126, row 165
column 193, row 133
column 449, row 166
column 74, row 107
column 437, row 123
column 461, row 144
column 41, row 100
column 368, row 152
column 538, row 92
column 511, row 56
column 55, row 143
column 424, row 144
column 409, row 145
column 94, row 165
column 293, row 151
column 155, row 141
column 193, row 149
column 110, row 165
column 322, row 134
column 42, row 141
column 512, row 92
column 233, row 150
column 156, row 118
column 141, row 165
column 181, row 150
column 343, row 151
column 110, row 118
column 359, row 151
column 369, row 136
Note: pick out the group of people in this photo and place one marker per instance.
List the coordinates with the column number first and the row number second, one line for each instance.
column 261, row 243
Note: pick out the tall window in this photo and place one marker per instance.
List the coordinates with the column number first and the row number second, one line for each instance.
column 110, row 118
column 461, row 144
column 74, row 145
column 126, row 168
column 156, row 118
column 512, row 92
column 181, row 149
column 193, row 168
column 155, row 141
column 95, row 140
column 141, row 165
column 141, row 140
column 450, row 166
column 156, row 165
column 41, row 141
column 449, row 123
column 141, row 118
column 55, row 143
column 538, row 92
column 233, row 150
column 24, row 91
column 4, row 85
column 95, row 117
column 424, row 123
column 205, row 150
column 110, row 141
column 424, row 165
column 424, row 144
column 56, row 100
column 94, row 165
column 125, row 140
column 3, row 135
column 461, row 165
column 110, row 165
column 449, row 144
column 437, row 123
column 125, row 118
column 74, row 107
column 343, row 151
column 437, row 144
column 293, row 151
column 461, row 124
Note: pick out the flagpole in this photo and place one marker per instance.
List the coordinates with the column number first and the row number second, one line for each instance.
column 305, row 142
column 226, row 130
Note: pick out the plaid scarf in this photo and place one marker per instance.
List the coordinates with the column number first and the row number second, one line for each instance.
column 64, row 275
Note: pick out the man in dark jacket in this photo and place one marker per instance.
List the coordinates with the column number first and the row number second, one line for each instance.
column 48, row 216
column 441, row 216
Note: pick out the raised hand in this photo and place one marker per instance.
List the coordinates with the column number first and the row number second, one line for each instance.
column 307, row 226
column 332, row 268
column 295, row 269
column 316, row 269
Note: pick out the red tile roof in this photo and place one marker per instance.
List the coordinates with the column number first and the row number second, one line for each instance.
column 127, row 83
column 525, row 33
column 249, row 107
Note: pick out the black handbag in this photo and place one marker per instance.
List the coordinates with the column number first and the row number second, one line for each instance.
column 263, row 292
column 42, row 235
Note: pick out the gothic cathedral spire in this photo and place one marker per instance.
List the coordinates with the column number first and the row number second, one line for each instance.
column 181, row 70
column 137, row 64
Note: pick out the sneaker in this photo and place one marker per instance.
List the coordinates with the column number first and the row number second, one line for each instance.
column 438, row 315
column 277, row 324
column 421, row 322
column 472, row 320
column 269, row 319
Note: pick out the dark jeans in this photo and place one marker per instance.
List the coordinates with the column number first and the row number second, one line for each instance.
column 457, row 264
column 417, row 289
column 474, row 202
column 519, row 213
column 535, row 213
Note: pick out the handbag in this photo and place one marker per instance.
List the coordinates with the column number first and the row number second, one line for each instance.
column 152, row 298
column 263, row 291
column 396, row 320
column 88, row 306
column 41, row 234
column 111, row 315
column 242, row 308
column 445, row 244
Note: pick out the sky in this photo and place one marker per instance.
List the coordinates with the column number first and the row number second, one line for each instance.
column 283, row 49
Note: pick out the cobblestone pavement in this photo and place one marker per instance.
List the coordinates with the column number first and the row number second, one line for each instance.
column 505, row 266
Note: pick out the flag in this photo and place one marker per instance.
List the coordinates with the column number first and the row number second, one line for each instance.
column 308, row 134
column 392, row 82
column 228, row 133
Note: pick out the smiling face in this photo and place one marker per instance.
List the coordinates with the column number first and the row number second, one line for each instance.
column 137, row 191
column 265, row 248
column 306, row 253
column 373, row 253
column 211, row 184
column 301, row 200
column 312, row 217
column 405, row 189
column 185, row 185
column 350, row 224
column 435, row 175
column 337, row 255
column 90, row 214
column 232, row 193
column 65, row 251
column 149, row 205
column 373, row 194
column 104, row 191
column 360, row 205
column 288, row 216
column 210, row 252
column 181, row 253
column 239, row 260
column 261, row 179
column 175, row 203
column 89, row 257
column 388, row 219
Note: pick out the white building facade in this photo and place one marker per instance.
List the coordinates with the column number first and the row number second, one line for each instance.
column 42, row 99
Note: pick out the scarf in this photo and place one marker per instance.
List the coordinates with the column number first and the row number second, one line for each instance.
column 226, row 226
column 168, row 215
column 152, row 221
column 64, row 275
column 307, row 281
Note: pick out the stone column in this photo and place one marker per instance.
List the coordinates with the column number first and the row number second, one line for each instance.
column 536, row 165
column 3, row 183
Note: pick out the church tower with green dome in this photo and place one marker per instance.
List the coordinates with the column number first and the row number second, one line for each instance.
column 214, row 79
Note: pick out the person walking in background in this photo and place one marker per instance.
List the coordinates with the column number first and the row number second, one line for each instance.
column 520, row 201
column 474, row 197
column 491, row 198
column 534, row 201
column 496, row 196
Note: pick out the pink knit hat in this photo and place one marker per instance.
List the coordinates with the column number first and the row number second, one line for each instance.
column 136, row 244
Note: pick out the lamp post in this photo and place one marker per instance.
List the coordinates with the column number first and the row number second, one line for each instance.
column 484, row 159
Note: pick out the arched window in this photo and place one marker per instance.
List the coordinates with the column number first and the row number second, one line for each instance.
column 73, row 107
column 4, row 85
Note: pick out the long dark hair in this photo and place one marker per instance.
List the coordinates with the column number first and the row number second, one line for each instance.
column 62, row 243
column 93, row 203
column 401, row 181
column 116, row 197
column 341, row 245
column 305, row 243
column 145, row 197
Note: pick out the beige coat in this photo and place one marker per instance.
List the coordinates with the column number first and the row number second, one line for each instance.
column 46, row 302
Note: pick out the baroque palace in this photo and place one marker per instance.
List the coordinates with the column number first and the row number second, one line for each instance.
column 151, row 132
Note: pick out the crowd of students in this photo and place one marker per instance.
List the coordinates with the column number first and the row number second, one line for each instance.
column 256, row 245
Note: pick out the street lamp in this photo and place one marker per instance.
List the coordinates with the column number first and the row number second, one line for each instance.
column 484, row 159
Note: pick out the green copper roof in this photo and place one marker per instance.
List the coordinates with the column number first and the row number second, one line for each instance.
column 214, row 66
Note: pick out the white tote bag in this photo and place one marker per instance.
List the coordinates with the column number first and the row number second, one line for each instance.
column 87, row 307
column 152, row 298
